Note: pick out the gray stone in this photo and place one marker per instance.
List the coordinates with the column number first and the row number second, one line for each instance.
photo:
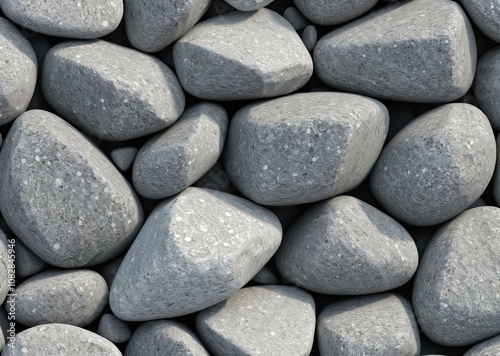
column 496, row 177
column 41, row 45
column 5, row 325
column 487, row 86
column 154, row 24
column 109, row 91
column 195, row 250
column 296, row 19
column 266, row 320
column 310, row 37
column 110, row 268
column 27, row 263
column 328, row 142
column 61, row 195
column 114, row 329
column 18, row 70
column 485, row 15
column 60, row 340
column 217, row 179
column 218, row 7
column 333, row 12
column 84, row 19
column 455, row 293
column 7, row 267
column 176, row 158
column 169, row 336
column 381, row 324
column 265, row 276
column 123, row 157
column 2, row 341
column 419, row 51
column 242, row 55
column 437, row 166
column 248, row 5
column 490, row 347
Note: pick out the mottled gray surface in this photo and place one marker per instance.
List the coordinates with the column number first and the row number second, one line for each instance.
column 61, row 195
column 265, row 276
column 381, row 324
column 27, row 263
column 487, row 86
column 5, row 269
column 455, row 294
column 248, row 5
column 242, row 55
column 496, row 177
column 114, row 329
column 154, row 24
column 123, row 157
column 436, row 166
column 195, row 250
column 333, row 12
column 296, row 19
column 265, row 320
column 169, row 336
column 420, row 51
column 484, row 13
column 310, row 37
column 490, row 347
column 174, row 159
column 109, row 91
column 328, row 142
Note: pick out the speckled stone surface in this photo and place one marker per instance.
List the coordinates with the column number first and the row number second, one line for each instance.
column 485, row 15
column 381, row 324
column 114, row 329
column 436, row 166
column 496, row 176
column 195, row 250
column 27, row 263
column 248, row 5
column 456, row 295
column 328, row 142
column 123, row 157
column 490, row 347
column 5, row 269
column 174, row 159
column 487, row 85
column 333, row 12
column 265, row 320
column 420, row 51
column 61, row 196
column 310, row 37
column 109, row 91
column 242, row 55
column 169, row 336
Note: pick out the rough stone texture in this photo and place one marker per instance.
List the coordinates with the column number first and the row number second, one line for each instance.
column 60, row 340
column 328, row 142
column 296, row 19
column 487, row 86
column 485, row 15
column 248, row 5
column 310, row 37
column 436, row 166
column 171, row 337
column 174, row 159
column 420, row 51
column 114, row 329
column 195, row 250
column 490, row 347
column 27, row 263
column 154, row 24
column 4, row 266
column 123, row 157
column 109, row 91
column 333, row 12
column 242, row 55
column 61, row 196
column 456, row 291
column 265, row 320
column 18, row 71
column 265, row 276
column 381, row 324
column 496, row 177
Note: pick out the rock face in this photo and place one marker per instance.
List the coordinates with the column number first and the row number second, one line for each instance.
column 487, row 86
column 248, row 5
column 496, row 177
column 5, row 269
column 114, row 329
column 195, row 250
column 27, row 263
column 61, row 196
column 123, row 157
column 333, row 12
column 420, row 51
column 485, row 16
column 485, row 348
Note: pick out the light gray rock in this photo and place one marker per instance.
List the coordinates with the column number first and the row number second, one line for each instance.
column 328, row 142
column 18, row 71
column 381, row 324
column 242, row 55
column 420, row 51
column 485, row 15
column 265, row 276
column 109, row 91
column 114, row 329
column 195, row 250
column 487, row 86
column 176, row 158
column 123, row 157
column 296, row 19
column 265, row 320
column 490, row 347
column 248, row 5
column 61, row 195
column 27, row 263
column 310, row 37
column 154, row 24
column 217, row 179
column 7, row 268
column 436, row 166
column 60, row 340
column 455, row 294
column 333, row 12
column 496, row 177
column 169, row 336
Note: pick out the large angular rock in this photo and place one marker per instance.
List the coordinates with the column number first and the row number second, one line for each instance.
column 195, row 250
column 485, row 15
column 489, row 347
column 61, row 196
column 487, row 86
column 333, row 12
column 242, row 55
column 420, row 51
column 436, row 166
column 304, row 147
column 109, row 91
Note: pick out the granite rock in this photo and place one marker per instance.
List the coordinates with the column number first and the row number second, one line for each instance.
column 490, row 347
column 310, row 37
column 487, row 86
column 113, row 329
column 248, row 5
column 296, row 19
column 485, row 15
column 333, row 12
column 123, row 157
column 27, row 263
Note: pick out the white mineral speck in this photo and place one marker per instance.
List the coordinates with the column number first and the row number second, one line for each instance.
column 57, row 246
column 58, row 182
column 187, row 239
column 265, row 167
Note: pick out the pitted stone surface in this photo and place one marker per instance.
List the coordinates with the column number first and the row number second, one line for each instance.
column 487, row 86
column 485, row 15
column 333, row 12
column 489, row 347
column 123, row 157
column 114, row 329
column 27, row 263
column 248, row 5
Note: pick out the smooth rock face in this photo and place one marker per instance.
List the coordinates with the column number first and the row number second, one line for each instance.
column 109, row 91
column 61, row 196
column 265, row 276
column 27, row 263
column 344, row 246
column 436, row 166
column 5, row 269
column 485, row 15
column 60, row 340
column 248, row 5
column 195, row 250
column 328, row 142
column 333, row 12
column 242, row 56
column 487, row 85
column 489, row 347
column 456, row 290
column 85, row 20
column 123, row 157
column 18, row 71
column 381, row 324
column 420, row 51
column 171, row 337
column 154, row 24
column 266, row 320
column 310, row 37
column 296, row 19
column 114, row 329
column 175, row 159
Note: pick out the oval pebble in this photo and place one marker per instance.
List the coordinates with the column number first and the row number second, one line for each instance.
column 123, row 157
column 248, row 5
column 296, row 19
column 490, row 347
column 27, row 263
column 485, row 15
column 333, row 12
column 114, row 329
column 310, row 37
column 487, row 85
column 496, row 176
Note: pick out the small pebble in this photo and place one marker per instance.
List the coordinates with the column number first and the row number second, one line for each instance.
column 296, row 19
column 123, row 157
column 114, row 329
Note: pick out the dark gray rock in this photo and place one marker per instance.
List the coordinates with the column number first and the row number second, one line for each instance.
column 265, row 276
column 296, row 19
column 485, row 15
column 41, row 45
column 123, row 157
column 333, row 12
column 6, row 267
column 487, row 86
column 328, row 142
column 437, row 166
column 114, row 329
column 309, row 37
column 110, row 268
column 27, row 263
column 217, row 179
column 248, row 5
column 490, row 347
